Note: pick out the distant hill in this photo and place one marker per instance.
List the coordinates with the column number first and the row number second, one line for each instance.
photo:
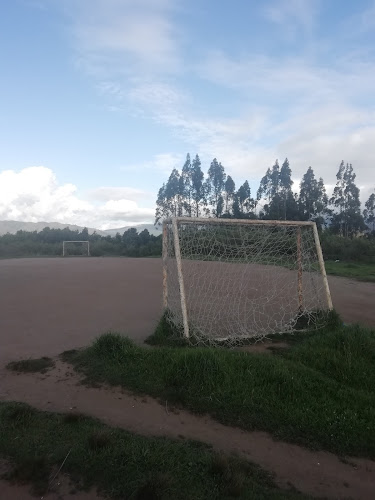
column 139, row 227
column 12, row 226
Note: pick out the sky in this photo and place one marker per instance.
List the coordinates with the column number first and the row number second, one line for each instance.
column 101, row 99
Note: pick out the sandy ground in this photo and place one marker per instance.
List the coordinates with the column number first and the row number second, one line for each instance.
column 50, row 305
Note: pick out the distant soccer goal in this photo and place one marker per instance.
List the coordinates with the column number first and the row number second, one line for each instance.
column 76, row 248
column 231, row 280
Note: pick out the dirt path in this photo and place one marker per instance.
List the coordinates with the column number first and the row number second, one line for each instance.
column 316, row 473
column 353, row 300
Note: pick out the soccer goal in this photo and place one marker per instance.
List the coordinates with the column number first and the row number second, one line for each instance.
column 76, row 248
column 226, row 279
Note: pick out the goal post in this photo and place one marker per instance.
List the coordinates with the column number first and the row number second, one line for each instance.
column 234, row 279
column 84, row 243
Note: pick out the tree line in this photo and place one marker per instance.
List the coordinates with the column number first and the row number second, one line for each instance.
column 49, row 242
column 189, row 193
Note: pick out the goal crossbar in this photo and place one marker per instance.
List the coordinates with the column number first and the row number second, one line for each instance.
column 203, row 220
column 174, row 239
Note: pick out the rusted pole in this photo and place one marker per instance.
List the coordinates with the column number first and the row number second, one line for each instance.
column 177, row 250
column 299, row 267
column 322, row 267
column 165, row 265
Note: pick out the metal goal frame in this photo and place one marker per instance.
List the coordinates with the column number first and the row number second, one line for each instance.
column 174, row 223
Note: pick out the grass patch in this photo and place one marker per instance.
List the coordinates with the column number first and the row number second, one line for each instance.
column 319, row 393
column 167, row 334
column 357, row 270
column 41, row 365
column 121, row 464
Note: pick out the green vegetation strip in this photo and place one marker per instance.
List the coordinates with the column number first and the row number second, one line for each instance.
column 319, row 393
column 121, row 464
column 356, row 270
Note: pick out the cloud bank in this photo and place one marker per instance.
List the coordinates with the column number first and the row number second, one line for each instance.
column 34, row 194
column 314, row 108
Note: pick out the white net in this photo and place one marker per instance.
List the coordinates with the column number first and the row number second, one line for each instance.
column 241, row 279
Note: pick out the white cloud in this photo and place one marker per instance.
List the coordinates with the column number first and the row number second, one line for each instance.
column 367, row 18
column 315, row 109
column 308, row 133
column 293, row 15
column 304, row 111
column 113, row 35
column 34, row 194
column 163, row 163
column 289, row 82
column 122, row 210
column 116, row 193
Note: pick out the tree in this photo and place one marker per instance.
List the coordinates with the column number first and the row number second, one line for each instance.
column 347, row 219
column 161, row 211
column 144, row 237
column 275, row 179
column 173, row 193
column 169, row 202
column 264, row 190
column 322, row 210
column 269, row 190
column 215, row 187
column 229, row 190
column 313, row 199
column 186, row 180
column 244, row 204
column 198, row 194
column 369, row 212
column 337, row 199
column 285, row 188
column 130, row 238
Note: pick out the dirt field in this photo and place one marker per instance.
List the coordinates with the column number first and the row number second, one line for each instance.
column 50, row 305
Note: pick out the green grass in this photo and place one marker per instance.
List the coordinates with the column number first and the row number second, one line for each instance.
column 320, row 392
column 41, row 365
column 121, row 464
column 167, row 334
column 356, row 270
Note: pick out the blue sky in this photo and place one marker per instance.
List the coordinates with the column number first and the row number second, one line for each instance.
column 100, row 99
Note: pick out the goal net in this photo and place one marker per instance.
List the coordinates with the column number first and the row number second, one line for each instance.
column 76, row 248
column 232, row 280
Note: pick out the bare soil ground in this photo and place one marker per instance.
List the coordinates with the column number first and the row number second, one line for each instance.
column 54, row 304
column 51, row 305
